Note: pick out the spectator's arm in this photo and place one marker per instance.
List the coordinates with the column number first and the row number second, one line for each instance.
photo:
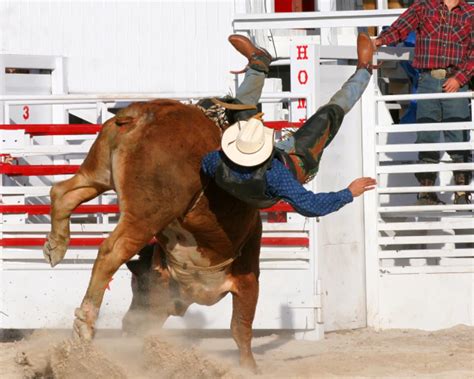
column 400, row 29
column 465, row 70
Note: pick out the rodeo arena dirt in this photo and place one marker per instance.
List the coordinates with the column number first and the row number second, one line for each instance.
column 398, row 353
column 143, row 230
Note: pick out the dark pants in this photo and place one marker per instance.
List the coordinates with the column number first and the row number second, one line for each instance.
column 306, row 146
column 311, row 139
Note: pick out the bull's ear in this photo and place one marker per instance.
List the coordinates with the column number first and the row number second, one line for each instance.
column 137, row 267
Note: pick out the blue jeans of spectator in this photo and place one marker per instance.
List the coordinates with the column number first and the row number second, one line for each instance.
column 441, row 110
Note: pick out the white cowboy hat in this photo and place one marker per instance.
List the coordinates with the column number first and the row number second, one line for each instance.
column 248, row 143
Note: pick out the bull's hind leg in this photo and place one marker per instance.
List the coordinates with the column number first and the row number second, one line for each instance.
column 125, row 241
column 65, row 197
column 244, row 299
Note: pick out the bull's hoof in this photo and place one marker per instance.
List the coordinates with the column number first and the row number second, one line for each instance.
column 129, row 325
column 54, row 250
column 82, row 331
column 250, row 364
column 141, row 323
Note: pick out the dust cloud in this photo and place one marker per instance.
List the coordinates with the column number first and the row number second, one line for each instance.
column 362, row 353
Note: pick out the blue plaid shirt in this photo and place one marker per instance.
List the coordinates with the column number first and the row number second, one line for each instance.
column 282, row 184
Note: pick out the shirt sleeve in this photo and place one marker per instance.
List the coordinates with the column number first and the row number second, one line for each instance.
column 466, row 67
column 403, row 25
column 282, row 184
column 209, row 163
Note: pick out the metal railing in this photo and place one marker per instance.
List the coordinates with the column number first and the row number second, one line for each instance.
column 105, row 101
column 411, row 238
column 315, row 20
column 274, row 256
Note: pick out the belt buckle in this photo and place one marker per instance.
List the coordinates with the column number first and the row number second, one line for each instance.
column 439, row 73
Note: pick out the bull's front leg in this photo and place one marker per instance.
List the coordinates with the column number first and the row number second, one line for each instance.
column 124, row 242
column 65, row 197
column 244, row 302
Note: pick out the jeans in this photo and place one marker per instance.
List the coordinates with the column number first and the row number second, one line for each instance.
column 306, row 146
column 249, row 92
column 440, row 110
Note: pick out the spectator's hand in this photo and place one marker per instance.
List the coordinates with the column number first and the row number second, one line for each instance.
column 359, row 186
column 451, row 85
column 377, row 43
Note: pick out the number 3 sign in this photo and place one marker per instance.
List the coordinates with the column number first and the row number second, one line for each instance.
column 26, row 112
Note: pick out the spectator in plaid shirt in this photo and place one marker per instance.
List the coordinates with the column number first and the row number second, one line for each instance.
column 444, row 55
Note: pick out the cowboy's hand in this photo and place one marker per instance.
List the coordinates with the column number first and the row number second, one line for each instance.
column 451, row 85
column 360, row 185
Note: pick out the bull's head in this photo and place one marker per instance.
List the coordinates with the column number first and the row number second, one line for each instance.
column 155, row 294
column 136, row 319
column 141, row 271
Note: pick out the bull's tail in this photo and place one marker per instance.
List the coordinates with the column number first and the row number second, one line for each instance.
column 132, row 116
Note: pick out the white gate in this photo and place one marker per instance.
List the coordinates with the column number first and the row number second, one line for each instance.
column 420, row 259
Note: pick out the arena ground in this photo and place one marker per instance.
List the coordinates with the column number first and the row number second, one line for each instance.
column 353, row 354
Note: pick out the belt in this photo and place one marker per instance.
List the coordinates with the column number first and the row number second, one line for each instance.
column 438, row 73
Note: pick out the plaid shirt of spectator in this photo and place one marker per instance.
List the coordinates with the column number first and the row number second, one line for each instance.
column 444, row 39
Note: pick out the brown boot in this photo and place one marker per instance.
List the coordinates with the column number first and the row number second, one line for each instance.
column 460, row 197
column 428, row 198
column 365, row 52
column 259, row 59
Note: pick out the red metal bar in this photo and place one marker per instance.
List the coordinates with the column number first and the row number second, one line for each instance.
column 32, row 170
column 12, row 242
column 55, row 129
column 279, row 125
column 280, row 207
column 266, row 241
column 42, row 209
column 71, row 129
column 285, row 241
column 277, row 217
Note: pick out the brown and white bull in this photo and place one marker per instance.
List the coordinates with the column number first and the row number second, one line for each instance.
column 150, row 154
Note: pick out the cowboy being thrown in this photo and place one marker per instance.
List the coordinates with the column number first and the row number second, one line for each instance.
column 252, row 169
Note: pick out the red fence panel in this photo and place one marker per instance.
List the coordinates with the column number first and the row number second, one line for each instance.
column 55, row 129
column 37, row 170
column 85, row 242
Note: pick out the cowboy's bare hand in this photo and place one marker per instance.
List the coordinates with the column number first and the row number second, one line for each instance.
column 451, row 85
column 8, row 159
column 360, row 185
